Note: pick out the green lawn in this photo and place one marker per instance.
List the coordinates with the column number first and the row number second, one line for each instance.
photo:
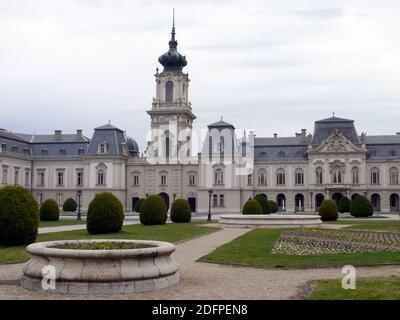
column 366, row 289
column 254, row 249
column 390, row 226
column 171, row 232
column 43, row 224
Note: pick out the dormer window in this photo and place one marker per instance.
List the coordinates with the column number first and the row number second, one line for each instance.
column 14, row 148
column 44, row 152
column 81, row 151
column 63, row 152
column 4, row 147
column 103, row 147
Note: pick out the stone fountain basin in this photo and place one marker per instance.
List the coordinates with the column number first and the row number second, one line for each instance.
column 79, row 271
column 270, row 221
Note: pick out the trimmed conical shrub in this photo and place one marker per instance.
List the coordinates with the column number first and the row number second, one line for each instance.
column 49, row 211
column 273, row 206
column 344, row 205
column 105, row 214
column 19, row 216
column 361, row 207
column 153, row 211
column 328, row 210
column 252, row 206
column 180, row 211
column 263, row 201
column 70, row 205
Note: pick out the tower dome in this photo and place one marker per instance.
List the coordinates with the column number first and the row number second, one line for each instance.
column 173, row 60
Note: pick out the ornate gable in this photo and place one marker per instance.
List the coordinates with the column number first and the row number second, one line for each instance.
column 337, row 143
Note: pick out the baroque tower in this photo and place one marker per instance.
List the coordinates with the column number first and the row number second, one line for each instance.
column 171, row 112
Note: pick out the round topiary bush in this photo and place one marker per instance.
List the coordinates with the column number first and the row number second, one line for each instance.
column 69, row 205
column 180, row 211
column 263, row 201
column 19, row 217
column 105, row 214
column 153, row 211
column 361, row 207
column 328, row 210
column 49, row 210
column 344, row 205
column 138, row 205
column 252, row 206
column 273, row 206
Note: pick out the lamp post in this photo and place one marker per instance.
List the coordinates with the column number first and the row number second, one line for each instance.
column 79, row 204
column 210, row 192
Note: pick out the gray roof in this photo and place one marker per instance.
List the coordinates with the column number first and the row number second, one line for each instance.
column 300, row 140
column 112, row 136
column 221, row 124
column 324, row 128
column 384, row 139
column 265, row 153
column 51, row 138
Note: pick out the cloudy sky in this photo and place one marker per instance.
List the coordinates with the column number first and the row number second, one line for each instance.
column 271, row 66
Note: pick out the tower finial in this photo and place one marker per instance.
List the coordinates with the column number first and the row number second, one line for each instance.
column 173, row 25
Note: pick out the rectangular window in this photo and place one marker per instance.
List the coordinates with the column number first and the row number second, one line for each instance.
column 163, row 180
column 135, row 180
column 221, row 200
column 356, row 178
column 79, row 178
column 60, row 178
column 27, row 177
column 215, row 200
column 59, row 199
column 5, row 175
column 192, row 180
column 16, row 176
column 3, row 147
column 394, row 178
column 262, row 180
column 40, row 181
column 249, row 180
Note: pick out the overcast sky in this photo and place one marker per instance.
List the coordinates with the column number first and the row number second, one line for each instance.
column 271, row 66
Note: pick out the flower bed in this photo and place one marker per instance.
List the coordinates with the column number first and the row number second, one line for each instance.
column 317, row 242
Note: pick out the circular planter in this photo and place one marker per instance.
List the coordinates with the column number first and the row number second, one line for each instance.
column 270, row 221
column 79, row 271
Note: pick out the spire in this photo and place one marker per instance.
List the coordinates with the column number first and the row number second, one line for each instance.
column 173, row 43
column 173, row 25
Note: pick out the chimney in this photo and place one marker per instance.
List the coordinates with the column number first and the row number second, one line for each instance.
column 79, row 133
column 398, row 133
column 57, row 134
column 275, row 135
column 304, row 132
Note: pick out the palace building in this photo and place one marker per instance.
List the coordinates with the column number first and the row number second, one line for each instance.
column 298, row 172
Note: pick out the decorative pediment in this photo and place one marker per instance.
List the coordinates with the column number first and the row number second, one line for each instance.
column 337, row 143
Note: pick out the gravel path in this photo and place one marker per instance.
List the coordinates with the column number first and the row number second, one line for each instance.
column 209, row 281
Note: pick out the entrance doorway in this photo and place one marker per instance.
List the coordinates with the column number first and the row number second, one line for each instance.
column 281, row 201
column 394, row 202
column 376, row 202
column 337, row 196
column 192, row 204
column 165, row 196
column 134, row 201
column 299, row 202
column 318, row 200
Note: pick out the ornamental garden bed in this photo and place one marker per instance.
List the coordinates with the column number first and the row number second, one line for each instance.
column 316, row 241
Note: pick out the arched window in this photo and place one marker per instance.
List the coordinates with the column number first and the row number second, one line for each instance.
column 169, row 91
column 281, row 154
column 299, row 155
column 218, row 177
column 250, row 179
column 355, row 175
column 394, row 175
column 280, row 177
column 337, row 176
column 318, row 175
column 375, row 176
column 262, row 177
column 299, row 177
column 103, row 147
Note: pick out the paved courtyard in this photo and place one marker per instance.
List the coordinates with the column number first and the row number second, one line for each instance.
column 208, row 281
